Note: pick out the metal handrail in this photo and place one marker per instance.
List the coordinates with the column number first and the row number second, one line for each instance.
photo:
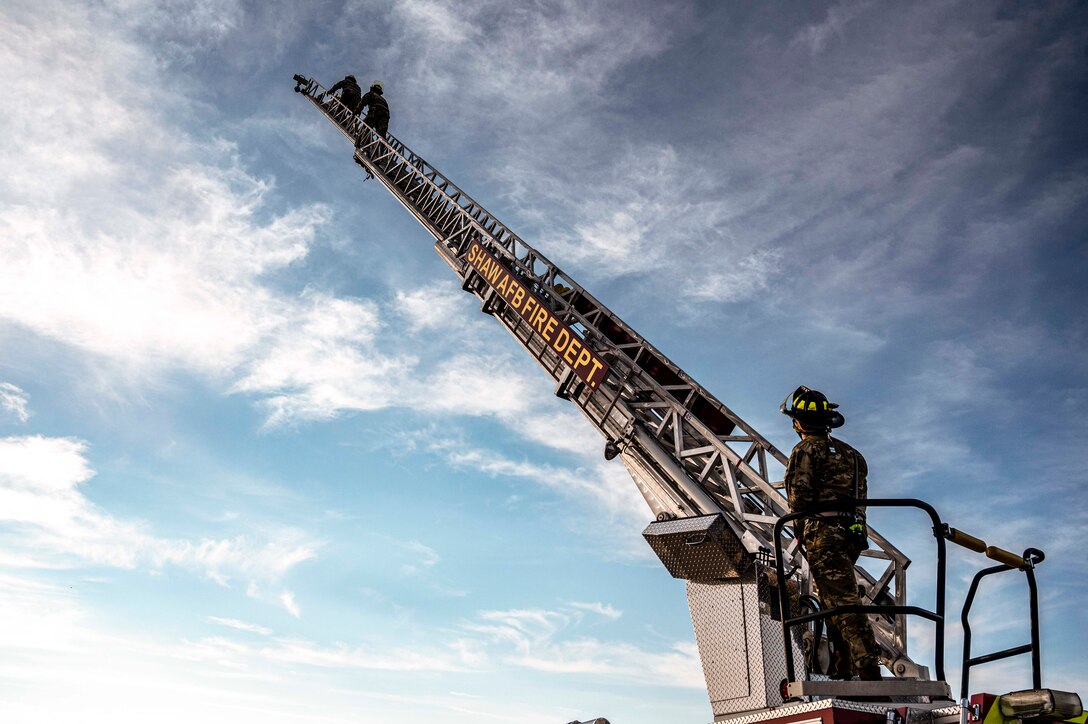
column 1032, row 557
column 850, row 505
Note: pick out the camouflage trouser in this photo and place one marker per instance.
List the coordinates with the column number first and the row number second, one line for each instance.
column 831, row 557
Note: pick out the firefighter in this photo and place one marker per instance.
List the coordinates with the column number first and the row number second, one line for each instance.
column 349, row 93
column 377, row 115
column 823, row 469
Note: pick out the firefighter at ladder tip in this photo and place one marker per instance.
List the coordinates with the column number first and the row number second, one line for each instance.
column 823, row 469
column 351, row 95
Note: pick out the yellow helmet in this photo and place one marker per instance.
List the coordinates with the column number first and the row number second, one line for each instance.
column 811, row 409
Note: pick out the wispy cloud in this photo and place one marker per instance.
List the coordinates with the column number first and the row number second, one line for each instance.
column 126, row 236
column 322, row 362
column 276, row 678
column 14, row 401
column 241, row 625
column 649, row 214
column 576, row 49
column 52, row 522
column 816, row 36
column 427, row 558
column 433, row 307
column 607, row 610
column 604, row 486
column 287, row 598
column 537, row 639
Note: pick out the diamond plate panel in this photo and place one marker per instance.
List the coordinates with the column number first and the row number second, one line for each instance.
column 721, row 624
column 701, row 548
column 740, row 645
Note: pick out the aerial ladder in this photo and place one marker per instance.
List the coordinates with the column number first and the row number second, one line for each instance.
column 713, row 483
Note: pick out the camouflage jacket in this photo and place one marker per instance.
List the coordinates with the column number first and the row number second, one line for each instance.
column 821, row 470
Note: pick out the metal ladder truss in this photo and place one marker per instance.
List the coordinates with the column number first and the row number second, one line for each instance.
column 689, row 453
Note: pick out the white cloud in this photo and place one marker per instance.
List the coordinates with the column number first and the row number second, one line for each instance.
column 470, row 384
column 537, row 639
column 292, row 652
column 816, row 37
column 177, row 286
column 51, row 522
column 14, row 401
column 52, row 645
column 241, row 625
column 648, row 214
column 606, row 610
column 321, row 362
column 437, row 306
column 287, row 598
column 123, row 235
column 38, row 615
column 427, row 558
column 605, row 486
column 576, row 48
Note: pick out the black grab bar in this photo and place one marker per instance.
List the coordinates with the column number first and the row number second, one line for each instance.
column 1032, row 557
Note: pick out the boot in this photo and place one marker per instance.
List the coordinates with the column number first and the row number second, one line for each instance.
column 870, row 673
column 841, row 668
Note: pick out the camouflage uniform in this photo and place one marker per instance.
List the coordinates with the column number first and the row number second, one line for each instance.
column 821, row 470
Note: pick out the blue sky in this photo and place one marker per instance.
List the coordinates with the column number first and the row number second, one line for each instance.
column 262, row 460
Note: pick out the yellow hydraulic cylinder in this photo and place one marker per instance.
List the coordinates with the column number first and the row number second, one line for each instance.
column 967, row 541
column 1007, row 557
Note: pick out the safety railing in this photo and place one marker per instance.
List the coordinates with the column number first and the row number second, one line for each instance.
column 1031, row 558
column 849, row 506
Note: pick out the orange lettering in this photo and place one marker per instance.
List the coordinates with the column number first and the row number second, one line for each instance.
column 561, row 340
column 572, row 348
column 547, row 333
column 541, row 315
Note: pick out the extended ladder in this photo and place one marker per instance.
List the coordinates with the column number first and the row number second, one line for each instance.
column 688, row 453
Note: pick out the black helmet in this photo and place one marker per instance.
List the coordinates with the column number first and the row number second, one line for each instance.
column 351, row 78
column 811, row 409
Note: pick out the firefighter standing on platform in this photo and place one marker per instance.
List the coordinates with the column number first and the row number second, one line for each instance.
column 823, row 469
